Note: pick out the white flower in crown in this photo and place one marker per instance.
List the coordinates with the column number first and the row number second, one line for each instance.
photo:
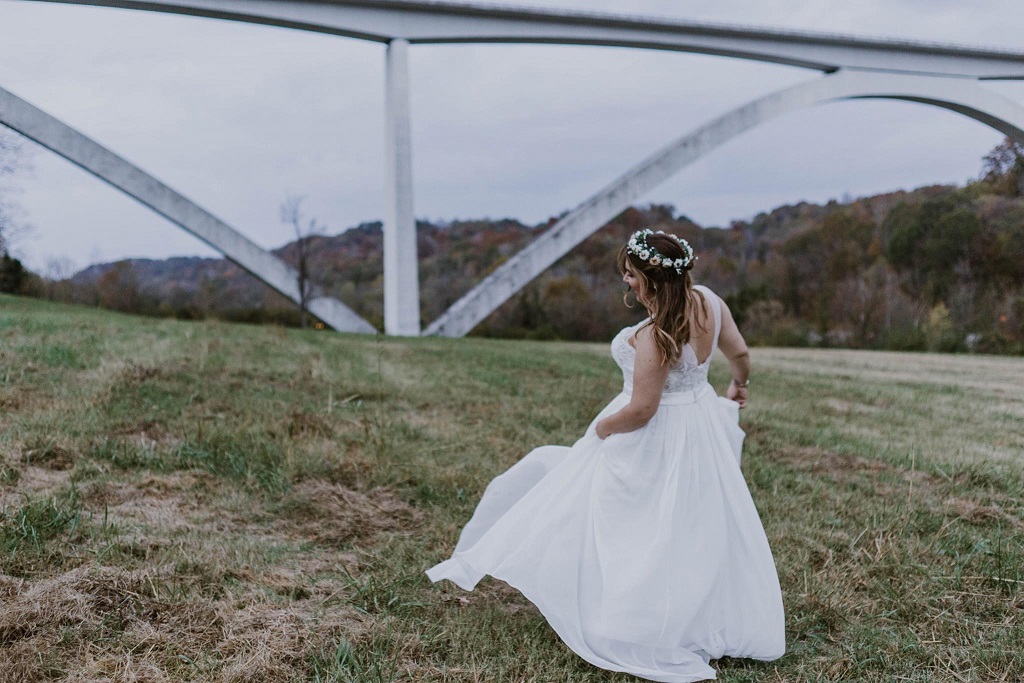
column 655, row 260
column 679, row 263
column 667, row 263
column 644, row 254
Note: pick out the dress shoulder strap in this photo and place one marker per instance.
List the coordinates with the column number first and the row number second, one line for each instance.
column 716, row 307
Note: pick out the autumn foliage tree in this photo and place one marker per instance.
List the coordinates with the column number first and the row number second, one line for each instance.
column 118, row 289
column 1003, row 168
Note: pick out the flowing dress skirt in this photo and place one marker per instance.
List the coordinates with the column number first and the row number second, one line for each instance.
column 644, row 551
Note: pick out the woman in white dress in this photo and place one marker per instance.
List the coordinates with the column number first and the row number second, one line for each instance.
column 640, row 544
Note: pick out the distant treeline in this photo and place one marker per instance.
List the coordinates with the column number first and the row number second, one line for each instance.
column 938, row 268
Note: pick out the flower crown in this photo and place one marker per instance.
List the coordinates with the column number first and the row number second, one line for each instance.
column 638, row 247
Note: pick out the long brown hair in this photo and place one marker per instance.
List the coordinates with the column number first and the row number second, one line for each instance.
column 669, row 295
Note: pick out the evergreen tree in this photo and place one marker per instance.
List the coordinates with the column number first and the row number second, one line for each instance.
column 13, row 275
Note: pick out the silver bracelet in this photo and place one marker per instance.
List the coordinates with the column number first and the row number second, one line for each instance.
column 740, row 385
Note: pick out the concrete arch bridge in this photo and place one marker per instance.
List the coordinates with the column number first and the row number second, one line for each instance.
column 946, row 76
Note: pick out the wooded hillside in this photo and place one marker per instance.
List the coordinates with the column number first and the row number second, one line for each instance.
column 938, row 268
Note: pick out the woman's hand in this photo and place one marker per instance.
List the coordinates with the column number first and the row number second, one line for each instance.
column 738, row 394
column 602, row 429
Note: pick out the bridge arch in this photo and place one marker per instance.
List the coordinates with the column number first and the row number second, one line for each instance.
column 965, row 97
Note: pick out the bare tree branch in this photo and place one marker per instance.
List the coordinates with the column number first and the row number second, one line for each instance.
column 13, row 158
column 292, row 214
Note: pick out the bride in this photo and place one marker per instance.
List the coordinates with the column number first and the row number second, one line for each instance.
column 640, row 544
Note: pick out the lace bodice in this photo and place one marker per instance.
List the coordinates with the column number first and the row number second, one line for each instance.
column 687, row 373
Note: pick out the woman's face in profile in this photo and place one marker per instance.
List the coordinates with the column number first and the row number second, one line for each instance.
column 630, row 278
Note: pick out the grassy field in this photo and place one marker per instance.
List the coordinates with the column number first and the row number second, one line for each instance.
column 214, row 502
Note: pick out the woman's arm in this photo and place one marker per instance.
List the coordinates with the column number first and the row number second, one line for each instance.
column 732, row 344
column 649, row 375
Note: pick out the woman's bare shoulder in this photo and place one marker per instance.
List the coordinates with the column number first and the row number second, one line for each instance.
column 706, row 293
column 646, row 343
column 707, row 299
column 646, row 332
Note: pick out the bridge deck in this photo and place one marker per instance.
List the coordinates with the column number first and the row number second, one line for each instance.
column 438, row 22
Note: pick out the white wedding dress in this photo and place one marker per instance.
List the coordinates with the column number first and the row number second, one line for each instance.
column 644, row 550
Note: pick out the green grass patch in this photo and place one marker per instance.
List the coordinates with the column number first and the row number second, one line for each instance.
column 268, row 499
column 27, row 530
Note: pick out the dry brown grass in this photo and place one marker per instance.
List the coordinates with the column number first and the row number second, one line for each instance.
column 181, row 606
column 175, row 576
column 335, row 515
column 103, row 623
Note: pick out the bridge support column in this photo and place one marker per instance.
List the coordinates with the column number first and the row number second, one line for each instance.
column 401, row 264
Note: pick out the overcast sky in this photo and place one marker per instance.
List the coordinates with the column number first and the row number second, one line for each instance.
column 238, row 117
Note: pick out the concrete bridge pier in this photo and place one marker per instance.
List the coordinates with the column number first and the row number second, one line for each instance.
column 401, row 264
